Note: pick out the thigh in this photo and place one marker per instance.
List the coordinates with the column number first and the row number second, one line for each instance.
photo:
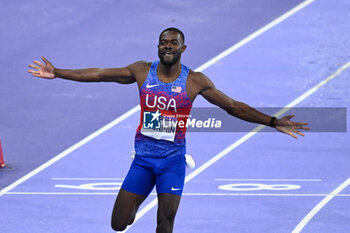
column 171, row 177
column 125, row 208
column 140, row 178
column 137, row 185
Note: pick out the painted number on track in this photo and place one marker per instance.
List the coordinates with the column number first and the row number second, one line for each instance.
column 93, row 186
column 254, row 187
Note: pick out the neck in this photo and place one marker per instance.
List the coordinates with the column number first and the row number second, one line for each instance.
column 169, row 71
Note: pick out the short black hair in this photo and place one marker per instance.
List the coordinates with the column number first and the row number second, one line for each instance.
column 174, row 30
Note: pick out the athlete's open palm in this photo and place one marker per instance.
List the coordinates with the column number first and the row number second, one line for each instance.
column 285, row 125
column 42, row 70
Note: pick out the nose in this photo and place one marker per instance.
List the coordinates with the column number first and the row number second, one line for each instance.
column 168, row 45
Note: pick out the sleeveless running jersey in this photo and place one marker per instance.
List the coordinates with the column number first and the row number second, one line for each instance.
column 164, row 111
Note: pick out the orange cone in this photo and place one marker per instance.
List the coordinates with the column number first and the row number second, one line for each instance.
column 2, row 161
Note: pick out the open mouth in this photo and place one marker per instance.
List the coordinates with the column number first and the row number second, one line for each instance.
column 168, row 53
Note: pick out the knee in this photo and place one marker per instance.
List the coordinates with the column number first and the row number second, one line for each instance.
column 165, row 223
column 166, row 218
column 166, row 215
column 131, row 220
column 117, row 226
column 121, row 226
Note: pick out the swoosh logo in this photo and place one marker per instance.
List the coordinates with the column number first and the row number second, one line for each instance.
column 174, row 189
column 150, row 86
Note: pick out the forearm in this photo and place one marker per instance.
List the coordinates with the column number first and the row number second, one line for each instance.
column 80, row 75
column 247, row 113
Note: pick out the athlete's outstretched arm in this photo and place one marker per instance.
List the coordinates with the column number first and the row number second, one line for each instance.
column 47, row 70
column 245, row 112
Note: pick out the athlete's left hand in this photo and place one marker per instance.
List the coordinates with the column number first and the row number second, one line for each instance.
column 285, row 125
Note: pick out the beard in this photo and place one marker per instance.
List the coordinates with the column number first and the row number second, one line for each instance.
column 169, row 61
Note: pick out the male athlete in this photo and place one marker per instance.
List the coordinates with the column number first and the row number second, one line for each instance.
column 167, row 90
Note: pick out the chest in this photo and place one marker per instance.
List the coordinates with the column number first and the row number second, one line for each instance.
column 164, row 97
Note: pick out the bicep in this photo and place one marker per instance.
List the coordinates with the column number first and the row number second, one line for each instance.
column 213, row 95
column 217, row 97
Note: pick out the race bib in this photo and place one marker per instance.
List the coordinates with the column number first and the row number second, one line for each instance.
column 159, row 127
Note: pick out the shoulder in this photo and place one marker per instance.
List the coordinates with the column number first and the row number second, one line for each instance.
column 197, row 76
column 139, row 66
column 200, row 80
column 139, row 70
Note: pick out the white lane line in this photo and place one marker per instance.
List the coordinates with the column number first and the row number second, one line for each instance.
column 247, row 136
column 86, row 178
column 312, row 90
column 70, row 149
column 260, row 127
column 187, row 194
column 320, row 205
column 217, row 179
column 137, row 108
column 301, row 180
column 267, row 194
column 62, row 193
column 255, row 34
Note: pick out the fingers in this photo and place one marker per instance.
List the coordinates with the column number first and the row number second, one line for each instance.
column 300, row 133
column 37, row 75
column 292, row 128
column 34, row 67
column 34, row 73
column 38, row 63
column 289, row 117
column 291, row 131
column 45, row 60
column 291, row 134
column 301, row 123
column 302, row 127
column 297, row 125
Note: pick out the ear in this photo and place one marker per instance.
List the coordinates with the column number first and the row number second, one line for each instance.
column 183, row 48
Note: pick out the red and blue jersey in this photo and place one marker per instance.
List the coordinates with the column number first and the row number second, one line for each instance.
column 164, row 111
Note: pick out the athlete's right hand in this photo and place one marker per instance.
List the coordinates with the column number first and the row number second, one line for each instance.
column 42, row 70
